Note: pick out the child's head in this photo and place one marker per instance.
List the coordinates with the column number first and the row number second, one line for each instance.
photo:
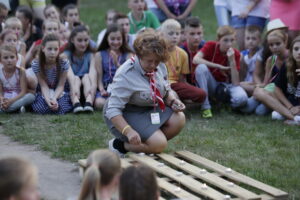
column 64, row 32
column 138, row 183
column 277, row 41
column 293, row 61
column 15, row 25
column 136, row 6
column 25, row 15
column 103, row 168
column 51, row 26
column 50, row 50
column 18, row 179
column 79, row 40
column 8, row 56
column 123, row 21
column 171, row 30
column 109, row 17
column 252, row 37
column 51, row 12
column 226, row 37
column 71, row 14
column 3, row 12
column 114, row 39
column 9, row 37
column 193, row 31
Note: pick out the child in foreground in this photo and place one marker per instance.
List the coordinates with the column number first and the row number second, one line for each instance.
column 18, row 179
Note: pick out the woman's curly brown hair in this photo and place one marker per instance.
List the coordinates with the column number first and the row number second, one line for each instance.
column 149, row 42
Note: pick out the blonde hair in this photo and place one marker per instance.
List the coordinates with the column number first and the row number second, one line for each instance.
column 50, row 21
column 103, row 165
column 170, row 24
column 224, row 30
column 8, row 48
column 279, row 34
column 15, row 173
column 12, row 20
column 151, row 42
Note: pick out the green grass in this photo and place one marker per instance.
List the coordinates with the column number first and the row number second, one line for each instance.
column 256, row 146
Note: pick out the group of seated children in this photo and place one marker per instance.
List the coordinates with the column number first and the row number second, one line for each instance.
column 67, row 71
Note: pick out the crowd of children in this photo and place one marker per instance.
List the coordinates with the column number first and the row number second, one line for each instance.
column 66, row 71
column 55, row 68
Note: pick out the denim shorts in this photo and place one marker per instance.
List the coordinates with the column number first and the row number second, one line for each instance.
column 248, row 21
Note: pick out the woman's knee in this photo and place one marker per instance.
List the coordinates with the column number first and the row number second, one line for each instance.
column 157, row 146
column 177, row 120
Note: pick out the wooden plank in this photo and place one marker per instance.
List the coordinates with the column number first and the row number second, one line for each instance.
column 227, row 172
column 176, row 191
column 210, row 178
column 187, row 181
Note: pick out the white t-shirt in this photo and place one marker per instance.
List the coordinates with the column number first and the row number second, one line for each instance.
column 260, row 10
column 151, row 4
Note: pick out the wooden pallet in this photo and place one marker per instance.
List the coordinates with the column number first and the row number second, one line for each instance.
column 189, row 176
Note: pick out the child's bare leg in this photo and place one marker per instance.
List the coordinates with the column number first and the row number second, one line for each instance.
column 75, row 89
column 87, row 89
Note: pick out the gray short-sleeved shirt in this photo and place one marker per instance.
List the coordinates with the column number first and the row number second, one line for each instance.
column 131, row 86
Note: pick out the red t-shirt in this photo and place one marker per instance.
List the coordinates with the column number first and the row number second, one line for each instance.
column 211, row 52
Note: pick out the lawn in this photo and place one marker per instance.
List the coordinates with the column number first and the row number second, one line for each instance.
column 263, row 149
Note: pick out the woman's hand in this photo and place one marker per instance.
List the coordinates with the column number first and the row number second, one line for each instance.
column 133, row 137
column 177, row 106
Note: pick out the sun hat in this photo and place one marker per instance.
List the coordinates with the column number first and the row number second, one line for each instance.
column 276, row 24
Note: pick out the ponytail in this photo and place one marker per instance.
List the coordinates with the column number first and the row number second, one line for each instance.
column 90, row 184
column 103, row 166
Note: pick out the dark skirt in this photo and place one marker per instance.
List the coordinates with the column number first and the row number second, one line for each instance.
column 40, row 105
column 140, row 120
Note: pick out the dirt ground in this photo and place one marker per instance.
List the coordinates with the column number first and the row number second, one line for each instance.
column 58, row 180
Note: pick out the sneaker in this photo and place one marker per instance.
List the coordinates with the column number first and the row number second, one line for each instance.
column 77, row 108
column 113, row 149
column 277, row 116
column 88, row 107
column 207, row 113
column 22, row 109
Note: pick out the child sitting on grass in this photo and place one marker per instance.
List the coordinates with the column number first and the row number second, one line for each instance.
column 13, row 86
column 178, row 66
column 51, row 69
